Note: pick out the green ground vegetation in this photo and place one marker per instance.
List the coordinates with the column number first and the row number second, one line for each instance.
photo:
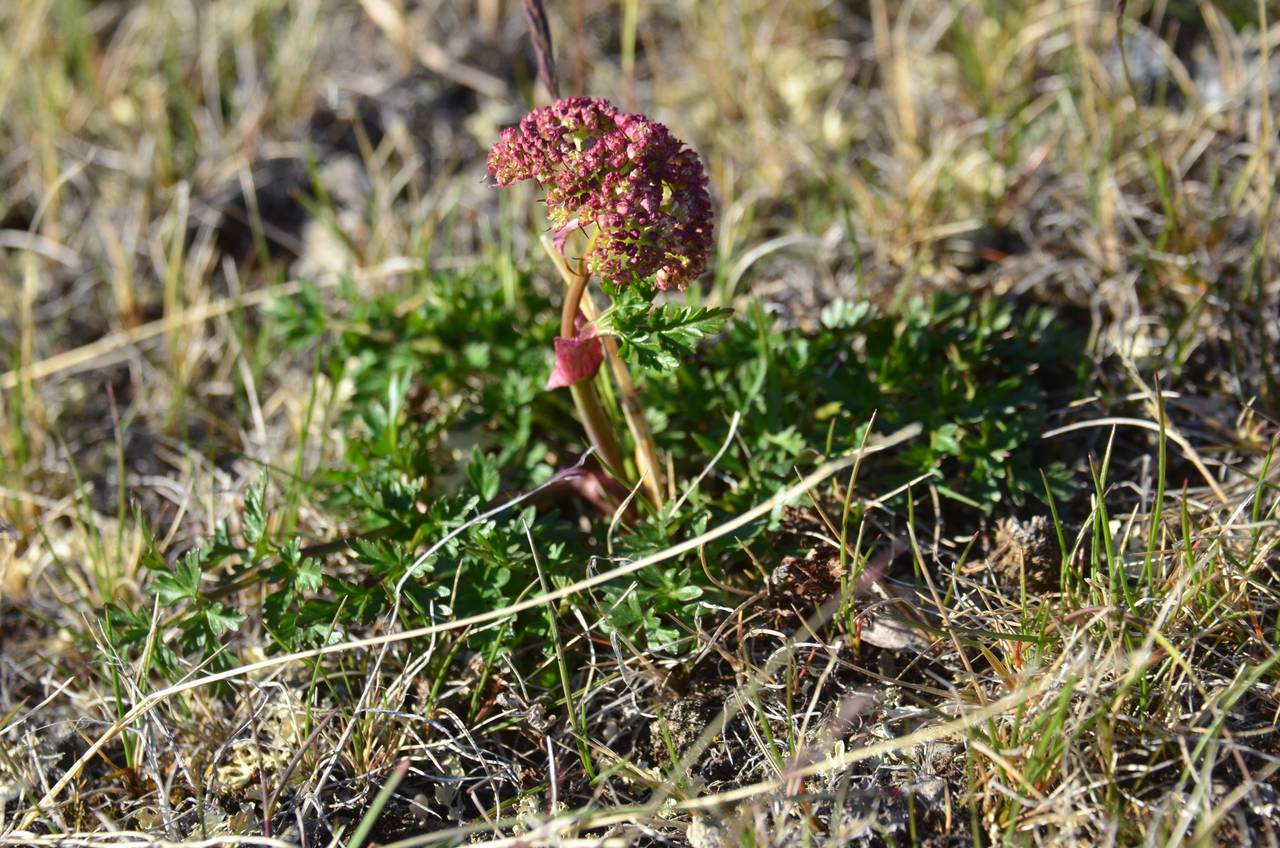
column 970, row 432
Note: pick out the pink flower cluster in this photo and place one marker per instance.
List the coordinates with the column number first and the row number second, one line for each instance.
column 643, row 190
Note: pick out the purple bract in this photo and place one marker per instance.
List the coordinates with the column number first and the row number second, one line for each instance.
column 578, row 358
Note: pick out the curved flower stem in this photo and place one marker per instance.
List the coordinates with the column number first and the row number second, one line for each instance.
column 633, row 411
column 646, row 452
column 585, row 399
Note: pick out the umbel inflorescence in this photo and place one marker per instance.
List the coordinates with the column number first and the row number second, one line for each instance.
column 637, row 192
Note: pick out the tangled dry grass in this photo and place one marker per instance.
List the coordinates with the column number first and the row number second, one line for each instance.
column 1095, row 670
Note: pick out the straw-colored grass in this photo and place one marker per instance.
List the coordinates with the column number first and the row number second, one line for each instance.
column 1100, row 670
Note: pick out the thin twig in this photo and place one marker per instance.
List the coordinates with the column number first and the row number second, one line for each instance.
column 540, row 35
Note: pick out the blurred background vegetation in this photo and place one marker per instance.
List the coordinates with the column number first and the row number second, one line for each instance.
column 267, row 333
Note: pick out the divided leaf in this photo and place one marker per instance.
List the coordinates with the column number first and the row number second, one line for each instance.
column 182, row 582
column 255, row 513
column 659, row 337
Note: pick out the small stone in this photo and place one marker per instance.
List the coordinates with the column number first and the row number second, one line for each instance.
column 707, row 832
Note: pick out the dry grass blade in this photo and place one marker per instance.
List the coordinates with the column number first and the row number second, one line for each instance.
column 87, row 356
column 549, row 833
column 1175, row 437
column 914, row 215
column 154, row 699
column 391, row 21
